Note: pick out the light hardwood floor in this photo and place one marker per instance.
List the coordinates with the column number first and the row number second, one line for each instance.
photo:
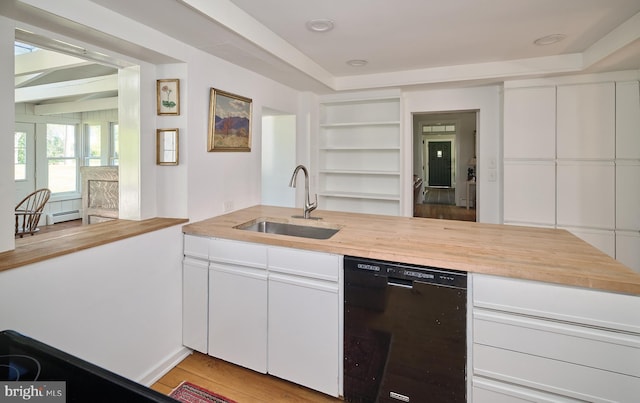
column 236, row 383
column 445, row 212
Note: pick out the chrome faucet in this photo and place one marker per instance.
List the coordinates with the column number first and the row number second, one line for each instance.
column 308, row 206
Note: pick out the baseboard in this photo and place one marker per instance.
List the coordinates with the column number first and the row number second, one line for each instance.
column 165, row 366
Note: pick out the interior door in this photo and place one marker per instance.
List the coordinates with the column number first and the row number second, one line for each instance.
column 440, row 163
column 24, row 160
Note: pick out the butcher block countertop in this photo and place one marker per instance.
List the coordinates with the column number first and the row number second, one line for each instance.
column 549, row 255
column 32, row 249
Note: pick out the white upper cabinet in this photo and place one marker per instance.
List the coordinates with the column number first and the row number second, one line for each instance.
column 530, row 192
column 628, row 195
column 628, row 120
column 586, row 121
column 530, row 123
column 586, row 194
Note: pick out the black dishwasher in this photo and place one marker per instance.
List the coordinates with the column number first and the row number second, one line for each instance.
column 404, row 332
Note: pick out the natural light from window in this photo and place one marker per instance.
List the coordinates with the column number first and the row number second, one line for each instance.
column 20, row 156
column 93, row 143
column 61, row 158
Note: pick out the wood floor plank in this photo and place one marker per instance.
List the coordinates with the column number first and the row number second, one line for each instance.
column 237, row 383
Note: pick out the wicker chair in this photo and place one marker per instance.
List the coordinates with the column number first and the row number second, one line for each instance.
column 29, row 210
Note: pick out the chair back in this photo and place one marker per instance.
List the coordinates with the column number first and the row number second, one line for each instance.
column 29, row 210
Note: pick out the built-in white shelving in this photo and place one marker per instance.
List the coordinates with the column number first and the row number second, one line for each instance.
column 359, row 155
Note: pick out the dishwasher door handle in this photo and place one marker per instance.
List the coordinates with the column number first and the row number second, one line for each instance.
column 399, row 282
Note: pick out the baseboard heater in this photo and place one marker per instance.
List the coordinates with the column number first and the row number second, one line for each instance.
column 63, row 216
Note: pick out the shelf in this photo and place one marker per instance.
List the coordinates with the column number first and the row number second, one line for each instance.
column 356, row 148
column 353, row 195
column 358, row 124
column 357, row 172
column 359, row 154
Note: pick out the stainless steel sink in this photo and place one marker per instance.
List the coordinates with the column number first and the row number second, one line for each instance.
column 287, row 228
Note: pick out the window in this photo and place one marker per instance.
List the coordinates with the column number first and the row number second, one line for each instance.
column 20, row 156
column 114, row 145
column 439, row 128
column 93, row 139
column 62, row 158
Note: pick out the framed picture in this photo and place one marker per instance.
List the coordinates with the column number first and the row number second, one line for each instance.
column 229, row 122
column 167, row 146
column 168, row 92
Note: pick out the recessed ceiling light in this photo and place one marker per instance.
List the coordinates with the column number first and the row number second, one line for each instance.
column 549, row 39
column 357, row 63
column 320, row 25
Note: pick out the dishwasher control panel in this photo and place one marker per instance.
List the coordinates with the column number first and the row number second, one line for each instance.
column 408, row 272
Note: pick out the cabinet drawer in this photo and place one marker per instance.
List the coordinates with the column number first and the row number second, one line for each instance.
column 238, row 253
column 196, row 246
column 585, row 346
column 323, row 266
column 554, row 376
column 489, row 391
column 572, row 304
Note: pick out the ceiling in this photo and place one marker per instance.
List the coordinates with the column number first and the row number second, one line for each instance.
column 406, row 43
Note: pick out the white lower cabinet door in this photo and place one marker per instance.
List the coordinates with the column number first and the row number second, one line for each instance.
column 238, row 315
column 195, row 283
column 304, row 340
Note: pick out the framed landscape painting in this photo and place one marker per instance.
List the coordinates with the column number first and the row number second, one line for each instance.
column 229, row 122
column 168, row 93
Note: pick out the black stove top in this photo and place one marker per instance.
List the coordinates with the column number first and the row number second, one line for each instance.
column 25, row 361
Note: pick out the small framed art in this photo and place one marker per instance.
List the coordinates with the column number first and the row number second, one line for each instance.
column 168, row 93
column 167, row 146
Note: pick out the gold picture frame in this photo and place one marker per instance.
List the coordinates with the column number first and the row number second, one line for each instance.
column 168, row 96
column 167, row 146
column 229, row 122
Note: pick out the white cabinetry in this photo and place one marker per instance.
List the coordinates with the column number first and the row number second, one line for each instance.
column 548, row 342
column 305, row 317
column 530, row 192
column 628, row 173
column 530, row 123
column 628, row 120
column 529, row 156
column 572, row 159
column 271, row 309
column 195, row 294
column 238, row 303
column 586, row 121
column 586, row 194
column 359, row 155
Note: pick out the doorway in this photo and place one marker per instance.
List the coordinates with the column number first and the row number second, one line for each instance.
column 278, row 158
column 444, row 156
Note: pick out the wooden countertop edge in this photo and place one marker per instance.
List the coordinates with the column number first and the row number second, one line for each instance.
column 604, row 273
column 42, row 247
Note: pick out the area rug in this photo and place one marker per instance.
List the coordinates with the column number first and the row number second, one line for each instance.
column 445, row 196
column 190, row 393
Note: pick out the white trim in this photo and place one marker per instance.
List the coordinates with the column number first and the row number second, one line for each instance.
column 164, row 366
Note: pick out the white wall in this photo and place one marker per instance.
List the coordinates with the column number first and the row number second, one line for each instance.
column 107, row 305
column 278, row 160
column 487, row 100
column 7, row 128
column 171, row 181
column 204, row 182
column 220, row 181
column 110, row 304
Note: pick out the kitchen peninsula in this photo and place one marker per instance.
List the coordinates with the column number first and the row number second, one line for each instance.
column 549, row 317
